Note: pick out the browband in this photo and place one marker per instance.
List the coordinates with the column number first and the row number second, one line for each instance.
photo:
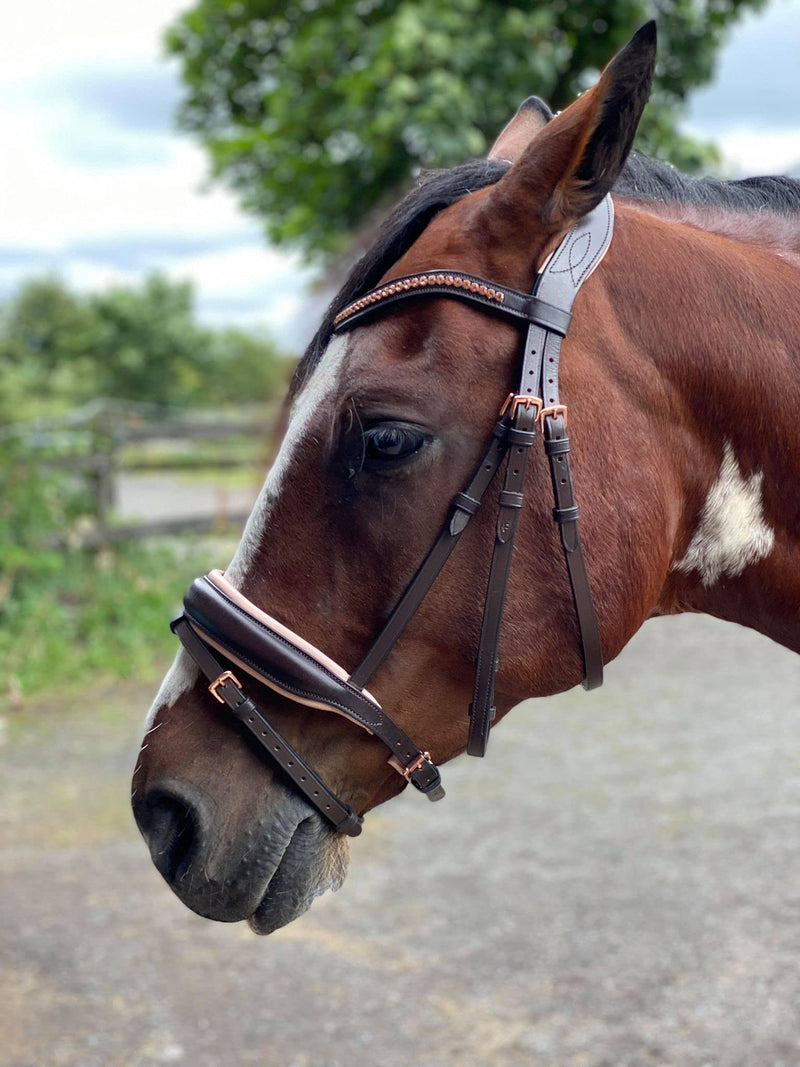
column 460, row 286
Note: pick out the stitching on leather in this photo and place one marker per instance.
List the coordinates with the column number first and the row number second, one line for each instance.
column 319, row 666
column 282, row 685
column 602, row 245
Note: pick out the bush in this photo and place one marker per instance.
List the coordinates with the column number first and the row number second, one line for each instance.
column 101, row 616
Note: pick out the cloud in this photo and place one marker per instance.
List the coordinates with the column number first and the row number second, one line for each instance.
column 97, row 187
column 138, row 98
column 757, row 81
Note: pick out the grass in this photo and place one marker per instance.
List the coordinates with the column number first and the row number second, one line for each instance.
column 98, row 616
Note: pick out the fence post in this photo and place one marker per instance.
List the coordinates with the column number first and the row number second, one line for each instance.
column 104, row 447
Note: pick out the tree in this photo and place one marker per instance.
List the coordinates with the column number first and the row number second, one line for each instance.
column 46, row 334
column 140, row 343
column 318, row 112
column 148, row 345
column 251, row 367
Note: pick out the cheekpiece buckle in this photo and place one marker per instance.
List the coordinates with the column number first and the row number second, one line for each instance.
column 226, row 676
column 551, row 413
column 515, row 401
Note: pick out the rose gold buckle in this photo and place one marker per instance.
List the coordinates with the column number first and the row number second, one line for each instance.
column 551, row 413
column 514, row 401
column 423, row 757
column 226, row 676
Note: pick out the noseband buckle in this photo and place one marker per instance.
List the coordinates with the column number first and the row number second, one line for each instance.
column 224, row 678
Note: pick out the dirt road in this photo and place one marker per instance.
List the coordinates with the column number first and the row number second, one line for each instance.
column 618, row 883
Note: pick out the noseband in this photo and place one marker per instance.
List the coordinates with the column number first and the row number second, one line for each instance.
column 218, row 620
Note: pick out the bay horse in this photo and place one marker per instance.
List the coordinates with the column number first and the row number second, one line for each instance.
column 680, row 374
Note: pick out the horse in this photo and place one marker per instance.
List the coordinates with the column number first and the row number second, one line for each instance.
column 680, row 375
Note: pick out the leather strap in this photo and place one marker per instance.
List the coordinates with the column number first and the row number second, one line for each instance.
column 289, row 664
column 565, row 513
column 559, row 281
column 482, row 710
column 467, row 287
column 284, row 665
column 303, row 777
column 464, row 506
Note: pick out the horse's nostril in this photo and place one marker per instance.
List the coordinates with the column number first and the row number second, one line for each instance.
column 170, row 823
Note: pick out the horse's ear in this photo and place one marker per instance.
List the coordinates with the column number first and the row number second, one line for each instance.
column 532, row 115
column 574, row 161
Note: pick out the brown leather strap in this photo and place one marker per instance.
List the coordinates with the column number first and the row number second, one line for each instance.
column 229, row 690
column 289, row 664
column 565, row 513
column 464, row 506
column 481, row 710
column 286, row 666
column 559, row 281
column 467, row 287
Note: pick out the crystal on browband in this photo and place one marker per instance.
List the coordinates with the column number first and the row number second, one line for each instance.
column 440, row 279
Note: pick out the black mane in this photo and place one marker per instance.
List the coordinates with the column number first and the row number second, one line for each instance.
column 642, row 179
column 649, row 179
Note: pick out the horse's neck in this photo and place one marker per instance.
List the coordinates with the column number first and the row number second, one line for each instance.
column 726, row 343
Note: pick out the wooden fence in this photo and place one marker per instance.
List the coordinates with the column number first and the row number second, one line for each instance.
column 108, row 439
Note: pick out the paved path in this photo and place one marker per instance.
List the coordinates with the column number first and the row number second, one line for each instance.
column 617, row 884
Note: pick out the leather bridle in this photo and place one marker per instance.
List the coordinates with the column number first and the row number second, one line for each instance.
column 217, row 619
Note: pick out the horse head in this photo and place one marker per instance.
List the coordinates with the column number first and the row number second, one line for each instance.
column 389, row 418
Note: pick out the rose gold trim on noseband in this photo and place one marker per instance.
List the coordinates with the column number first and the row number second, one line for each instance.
column 221, row 582
column 443, row 280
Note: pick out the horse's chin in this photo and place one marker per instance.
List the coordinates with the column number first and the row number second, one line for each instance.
column 309, row 867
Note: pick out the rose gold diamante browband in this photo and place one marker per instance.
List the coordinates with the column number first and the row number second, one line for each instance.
column 448, row 280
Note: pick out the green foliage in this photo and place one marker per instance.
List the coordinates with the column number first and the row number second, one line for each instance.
column 36, row 506
column 46, row 334
column 250, row 366
column 102, row 616
column 59, row 349
column 147, row 345
column 317, row 112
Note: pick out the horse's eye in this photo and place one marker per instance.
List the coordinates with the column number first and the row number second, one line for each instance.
column 391, row 443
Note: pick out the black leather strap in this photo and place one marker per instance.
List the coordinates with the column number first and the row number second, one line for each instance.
column 460, row 286
column 482, row 710
column 282, row 664
column 304, row 778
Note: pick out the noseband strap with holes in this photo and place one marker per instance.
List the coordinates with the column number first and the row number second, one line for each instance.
column 218, row 619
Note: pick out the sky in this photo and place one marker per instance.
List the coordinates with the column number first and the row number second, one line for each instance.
column 97, row 186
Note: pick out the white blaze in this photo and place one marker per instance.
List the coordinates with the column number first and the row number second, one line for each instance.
column 184, row 672
column 181, row 676
column 732, row 532
column 322, row 381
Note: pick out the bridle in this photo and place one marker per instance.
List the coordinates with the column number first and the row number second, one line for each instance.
column 218, row 619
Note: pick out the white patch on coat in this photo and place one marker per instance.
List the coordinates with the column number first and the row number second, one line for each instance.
column 732, row 532
column 181, row 676
column 322, row 382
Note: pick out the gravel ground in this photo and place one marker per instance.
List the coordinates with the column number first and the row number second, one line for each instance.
column 618, row 883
